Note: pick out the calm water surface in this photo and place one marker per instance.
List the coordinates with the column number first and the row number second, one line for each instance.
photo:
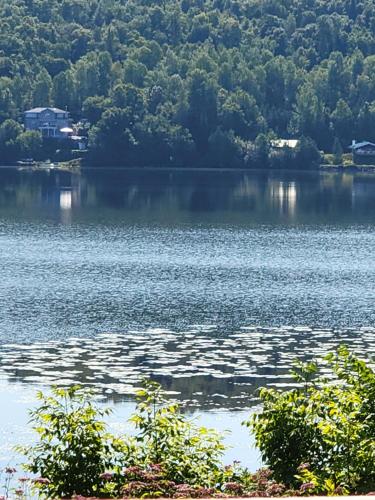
column 210, row 282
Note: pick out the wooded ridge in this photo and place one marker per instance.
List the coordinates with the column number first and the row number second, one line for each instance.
column 184, row 82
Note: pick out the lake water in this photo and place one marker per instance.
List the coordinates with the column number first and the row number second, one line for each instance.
column 210, row 282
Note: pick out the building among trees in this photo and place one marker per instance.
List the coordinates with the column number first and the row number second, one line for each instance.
column 284, row 143
column 51, row 122
column 188, row 82
column 363, row 152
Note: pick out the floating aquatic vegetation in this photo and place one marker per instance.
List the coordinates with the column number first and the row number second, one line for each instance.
column 199, row 366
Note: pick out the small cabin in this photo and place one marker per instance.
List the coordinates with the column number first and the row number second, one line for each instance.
column 363, row 152
column 284, row 143
column 364, row 148
column 51, row 122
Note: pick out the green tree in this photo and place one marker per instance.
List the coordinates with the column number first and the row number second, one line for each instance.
column 223, row 150
column 162, row 143
column 309, row 118
column 87, row 78
column 337, row 152
column 241, row 114
column 129, row 96
column 285, row 68
column 261, row 152
column 64, row 91
column 366, row 121
column 326, row 426
column 104, row 73
column 30, row 144
column 202, row 99
column 6, row 99
column 74, row 448
column 135, row 73
column 9, row 148
column 307, row 154
column 94, row 107
column 188, row 453
column 112, row 140
column 42, row 89
column 342, row 119
column 200, row 29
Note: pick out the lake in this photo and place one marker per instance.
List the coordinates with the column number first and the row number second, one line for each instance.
column 211, row 282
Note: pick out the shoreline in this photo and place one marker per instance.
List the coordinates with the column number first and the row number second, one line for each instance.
column 76, row 167
column 347, row 168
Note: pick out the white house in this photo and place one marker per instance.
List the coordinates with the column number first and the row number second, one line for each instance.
column 51, row 122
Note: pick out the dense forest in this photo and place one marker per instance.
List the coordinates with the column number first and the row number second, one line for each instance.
column 191, row 82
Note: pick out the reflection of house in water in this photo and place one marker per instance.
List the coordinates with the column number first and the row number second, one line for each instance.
column 66, row 199
column 61, row 190
column 283, row 195
column 247, row 188
column 66, row 205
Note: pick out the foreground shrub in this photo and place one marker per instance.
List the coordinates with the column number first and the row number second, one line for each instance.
column 189, row 453
column 321, row 434
column 152, row 482
column 317, row 438
column 76, row 455
column 74, row 448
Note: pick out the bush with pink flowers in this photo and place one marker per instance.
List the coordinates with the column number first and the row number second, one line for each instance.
column 317, row 438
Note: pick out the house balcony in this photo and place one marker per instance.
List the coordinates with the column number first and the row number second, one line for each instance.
column 48, row 131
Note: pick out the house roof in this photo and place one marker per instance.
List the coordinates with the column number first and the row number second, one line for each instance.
column 362, row 144
column 39, row 110
column 282, row 143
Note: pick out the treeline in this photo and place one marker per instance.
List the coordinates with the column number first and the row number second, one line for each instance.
column 203, row 81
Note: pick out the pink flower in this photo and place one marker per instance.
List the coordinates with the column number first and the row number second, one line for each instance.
column 303, row 467
column 265, row 472
column 150, row 477
column 204, row 492
column 233, row 488
column 275, row 489
column 41, row 480
column 10, row 470
column 184, row 490
column 339, row 490
column 106, row 476
column 156, row 467
column 132, row 471
column 307, row 486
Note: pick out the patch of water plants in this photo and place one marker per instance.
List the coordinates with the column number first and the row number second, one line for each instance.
column 318, row 438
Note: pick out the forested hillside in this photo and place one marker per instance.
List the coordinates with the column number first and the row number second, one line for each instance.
column 182, row 81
